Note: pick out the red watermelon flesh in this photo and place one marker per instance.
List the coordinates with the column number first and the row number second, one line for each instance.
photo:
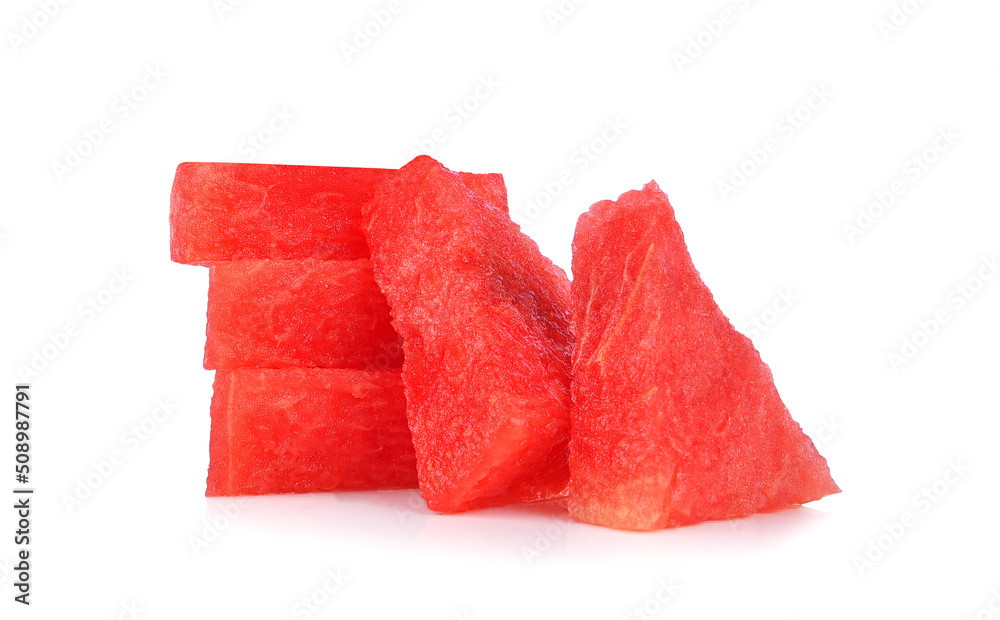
column 490, row 187
column 304, row 313
column 232, row 211
column 301, row 430
column 675, row 417
column 485, row 324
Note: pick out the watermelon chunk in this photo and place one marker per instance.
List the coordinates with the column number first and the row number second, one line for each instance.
column 675, row 417
column 298, row 313
column 300, row 430
column 231, row 211
column 485, row 324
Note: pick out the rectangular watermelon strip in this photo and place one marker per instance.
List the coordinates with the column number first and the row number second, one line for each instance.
column 298, row 313
column 302, row 430
column 231, row 211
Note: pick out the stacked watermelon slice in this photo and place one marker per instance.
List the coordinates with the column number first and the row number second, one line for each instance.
column 379, row 329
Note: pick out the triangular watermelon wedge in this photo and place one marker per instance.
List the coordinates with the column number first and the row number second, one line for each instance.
column 675, row 417
column 484, row 319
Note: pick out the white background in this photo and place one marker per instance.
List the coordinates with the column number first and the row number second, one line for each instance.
column 895, row 428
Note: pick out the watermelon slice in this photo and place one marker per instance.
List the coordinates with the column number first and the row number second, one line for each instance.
column 485, row 324
column 675, row 417
column 300, row 430
column 230, row 211
column 298, row 313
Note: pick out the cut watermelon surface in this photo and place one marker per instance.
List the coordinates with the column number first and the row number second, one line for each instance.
column 231, row 211
column 490, row 187
column 301, row 430
column 485, row 324
column 675, row 417
column 304, row 313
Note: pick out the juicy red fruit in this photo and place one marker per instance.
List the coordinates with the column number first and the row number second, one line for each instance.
column 302, row 430
column 484, row 319
column 231, row 211
column 675, row 417
column 298, row 313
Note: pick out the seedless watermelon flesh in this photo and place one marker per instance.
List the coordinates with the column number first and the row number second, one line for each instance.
column 484, row 319
column 298, row 313
column 234, row 211
column 675, row 417
column 301, row 430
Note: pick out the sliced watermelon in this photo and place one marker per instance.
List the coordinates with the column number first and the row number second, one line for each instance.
column 231, row 211
column 485, row 324
column 675, row 418
column 298, row 313
column 300, row 430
